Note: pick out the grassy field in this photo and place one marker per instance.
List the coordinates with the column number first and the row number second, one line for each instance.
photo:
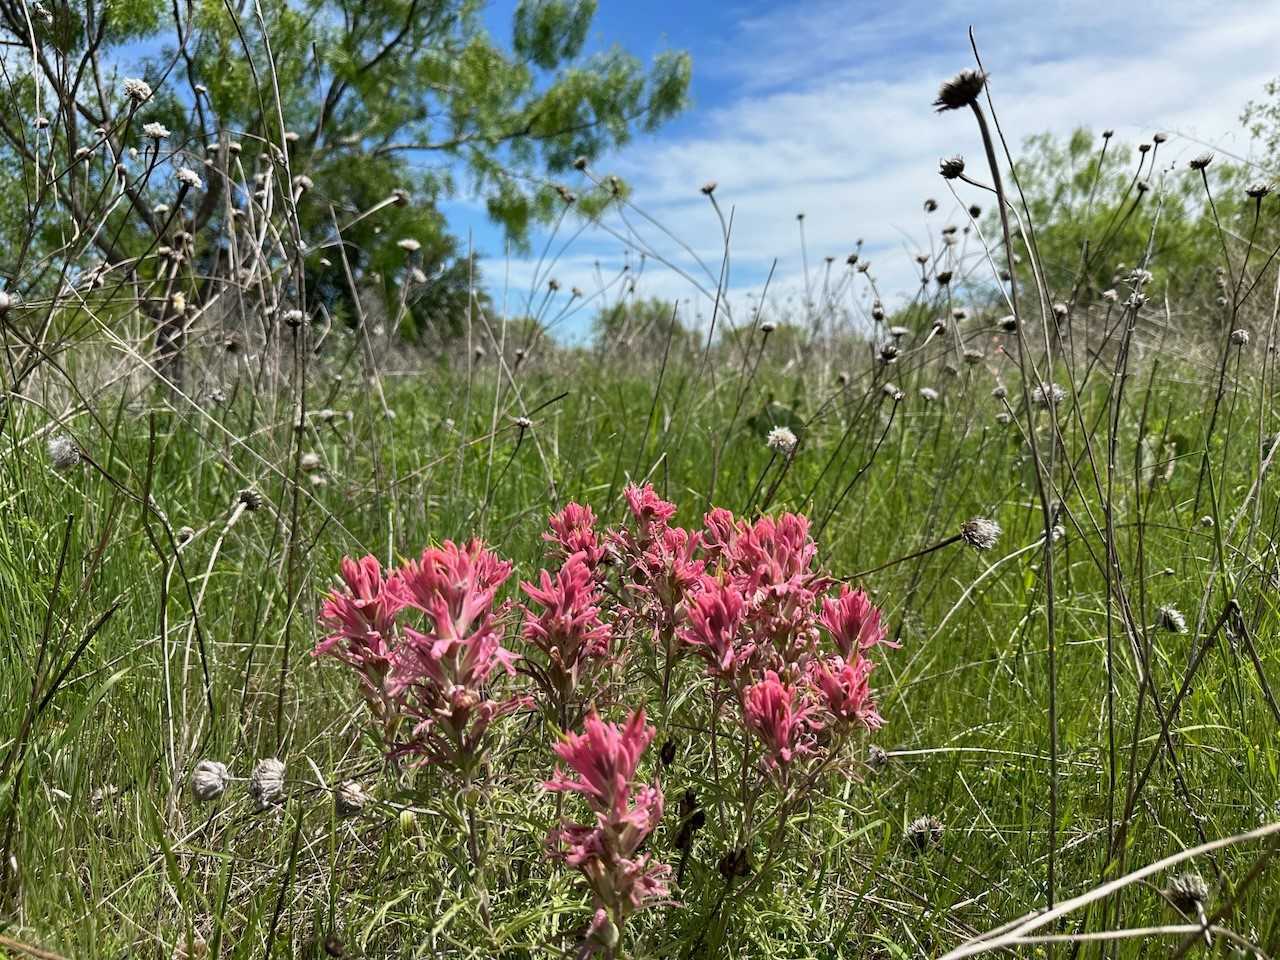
column 1044, row 706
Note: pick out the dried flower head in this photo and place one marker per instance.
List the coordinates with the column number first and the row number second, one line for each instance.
column 1047, row 394
column 156, row 131
column 980, row 533
column 898, row 332
column 925, row 832
column 1207, row 522
column 1009, row 324
column 266, row 783
column 1171, row 619
column 1201, row 161
column 708, row 188
column 930, row 205
column 349, row 799
column 888, row 352
column 409, row 245
column 782, row 440
column 1188, row 892
column 1159, row 137
column 139, row 91
column 928, row 394
column 960, row 91
column 189, row 178
column 64, row 453
column 309, row 462
column 951, row 167
column 877, row 759
column 973, row 357
column 251, row 498
column 1000, row 392
column 209, row 780
column 580, row 163
column 1060, row 311
column 1258, row 189
column 1240, row 337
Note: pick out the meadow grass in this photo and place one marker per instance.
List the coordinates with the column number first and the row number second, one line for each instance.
column 132, row 655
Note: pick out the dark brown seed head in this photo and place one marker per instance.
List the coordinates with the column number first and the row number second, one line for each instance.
column 951, row 167
column 960, row 91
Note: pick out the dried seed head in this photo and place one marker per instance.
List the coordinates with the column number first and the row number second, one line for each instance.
column 1060, row 311
column 251, row 498
column 309, row 462
column 189, row 178
column 943, row 277
column 930, row 205
column 768, row 327
column 409, row 245
column 1188, row 892
column 1000, row 392
column 1009, row 324
column 1110, row 296
column 781, row 440
column 1201, row 161
column 898, row 332
column 1160, row 137
column 877, row 311
column 294, row 318
column 951, row 167
column 960, row 91
column 888, row 352
column 139, row 91
column 266, row 783
column 980, row 533
column 1206, row 521
column 64, row 453
column 1108, row 134
column 349, row 798
column 708, row 188
column 1171, row 619
column 891, row 391
column 925, row 832
column 973, row 357
column 156, row 131
column 928, row 394
column 1046, row 395
column 580, row 163
column 877, row 759
column 1240, row 338
column 209, row 780
column 1258, row 190
column 975, row 211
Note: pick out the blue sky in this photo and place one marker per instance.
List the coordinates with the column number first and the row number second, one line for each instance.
column 823, row 107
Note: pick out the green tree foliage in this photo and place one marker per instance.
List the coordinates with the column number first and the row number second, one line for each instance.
column 644, row 325
column 1098, row 207
column 344, row 102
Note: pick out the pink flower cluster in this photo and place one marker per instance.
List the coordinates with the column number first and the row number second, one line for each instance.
column 425, row 641
column 602, row 764
column 750, row 599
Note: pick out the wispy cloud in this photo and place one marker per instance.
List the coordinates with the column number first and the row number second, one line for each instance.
column 831, row 117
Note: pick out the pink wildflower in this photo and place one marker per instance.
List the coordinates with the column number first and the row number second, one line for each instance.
column 853, row 622
column 771, row 711
column 362, row 618
column 715, row 618
column 568, row 629
column 605, row 758
column 573, row 532
column 621, row 879
column 443, row 671
column 846, row 690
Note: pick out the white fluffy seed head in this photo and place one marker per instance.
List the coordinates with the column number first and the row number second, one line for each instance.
column 137, row 90
column 156, row 131
column 189, row 178
column 781, row 440
column 64, row 453
column 349, row 798
column 1171, row 619
column 928, row 394
column 266, row 783
column 1047, row 394
column 209, row 780
column 1240, row 338
column 980, row 533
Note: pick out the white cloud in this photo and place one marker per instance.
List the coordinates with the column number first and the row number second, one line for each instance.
column 831, row 116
